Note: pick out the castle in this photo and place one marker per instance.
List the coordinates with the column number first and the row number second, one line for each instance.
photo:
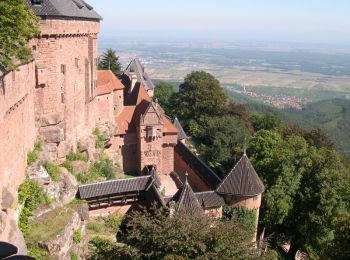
column 61, row 96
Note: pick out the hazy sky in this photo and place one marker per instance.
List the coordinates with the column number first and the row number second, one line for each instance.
column 317, row 21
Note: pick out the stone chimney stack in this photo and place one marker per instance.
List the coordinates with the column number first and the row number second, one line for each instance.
column 133, row 82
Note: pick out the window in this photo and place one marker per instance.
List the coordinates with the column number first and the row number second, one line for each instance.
column 37, row 2
column 77, row 62
column 63, row 68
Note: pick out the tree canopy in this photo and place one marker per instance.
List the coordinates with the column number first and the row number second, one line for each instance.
column 110, row 61
column 164, row 93
column 17, row 25
column 156, row 235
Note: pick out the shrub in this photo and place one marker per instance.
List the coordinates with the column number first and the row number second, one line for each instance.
column 37, row 252
column 53, row 170
column 113, row 221
column 100, row 138
column 73, row 256
column 94, row 227
column 31, row 194
column 77, row 237
column 33, row 156
column 76, row 156
column 242, row 215
column 68, row 165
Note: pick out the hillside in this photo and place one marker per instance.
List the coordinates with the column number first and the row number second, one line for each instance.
column 332, row 116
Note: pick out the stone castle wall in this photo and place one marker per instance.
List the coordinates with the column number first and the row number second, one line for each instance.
column 66, row 63
column 17, row 136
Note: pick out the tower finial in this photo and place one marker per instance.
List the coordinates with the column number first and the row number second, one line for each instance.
column 186, row 176
column 245, row 146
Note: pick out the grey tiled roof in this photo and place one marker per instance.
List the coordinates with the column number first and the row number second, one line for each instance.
column 105, row 188
column 242, row 180
column 210, row 199
column 181, row 135
column 135, row 68
column 186, row 201
column 153, row 196
column 64, row 8
column 203, row 171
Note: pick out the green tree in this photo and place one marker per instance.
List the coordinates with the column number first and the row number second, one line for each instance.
column 156, row 235
column 306, row 189
column 164, row 93
column 200, row 97
column 222, row 140
column 110, row 61
column 17, row 25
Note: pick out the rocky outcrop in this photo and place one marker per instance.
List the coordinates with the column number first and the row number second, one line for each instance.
column 61, row 245
column 7, row 199
column 68, row 187
column 51, row 119
column 52, row 134
column 80, row 167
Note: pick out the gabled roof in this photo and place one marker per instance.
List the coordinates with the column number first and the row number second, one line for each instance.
column 107, row 82
column 64, row 8
column 210, row 199
column 203, row 171
column 106, row 188
column 181, row 135
column 242, row 180
column 135, row 68
column 186, row 200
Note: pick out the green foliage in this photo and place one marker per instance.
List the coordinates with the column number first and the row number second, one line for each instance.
column 68, row 165
column 31, row 195
column 243, row 216
column 220, row 139
column 102, row 169
column 265, row 121
column 95, row 227
column 37, row 252
column 113, row 221
column 73, row 256
column 164, row 93
column 53, row 170
column 155, row 235
column 200, row 97
column 110, row 61
column 306, row 188
column 76, row 156
column 100, row 138
column 77, row 237
column 33, row 156
column 18, row 24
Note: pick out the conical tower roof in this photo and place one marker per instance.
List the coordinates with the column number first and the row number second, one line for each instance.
column 186, row 200
column 242, row 180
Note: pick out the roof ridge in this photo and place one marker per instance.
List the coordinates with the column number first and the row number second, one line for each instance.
column 116, row 180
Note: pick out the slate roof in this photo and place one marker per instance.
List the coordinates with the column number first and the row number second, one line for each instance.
column 203, row 171
column 153, row 196
column 135, row 68
column 210, row 199
column 181, row 135
column 106, row 188
column 64, row 8
column 186, row 201
column 242, row 180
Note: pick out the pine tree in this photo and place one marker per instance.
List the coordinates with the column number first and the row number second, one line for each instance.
column 110, row 61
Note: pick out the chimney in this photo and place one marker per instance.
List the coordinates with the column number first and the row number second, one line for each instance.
column 133, row 82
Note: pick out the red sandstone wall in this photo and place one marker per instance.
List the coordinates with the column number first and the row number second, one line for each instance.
column 17, row 132
column 181, row 167
column 118, row 97
column 103, row 109
column 66, row 60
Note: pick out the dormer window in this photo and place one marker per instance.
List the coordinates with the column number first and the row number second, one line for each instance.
column 37, row 2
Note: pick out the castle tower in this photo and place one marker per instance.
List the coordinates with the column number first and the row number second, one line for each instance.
column 66, row 70
column 242, row 186
column 150, row 132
